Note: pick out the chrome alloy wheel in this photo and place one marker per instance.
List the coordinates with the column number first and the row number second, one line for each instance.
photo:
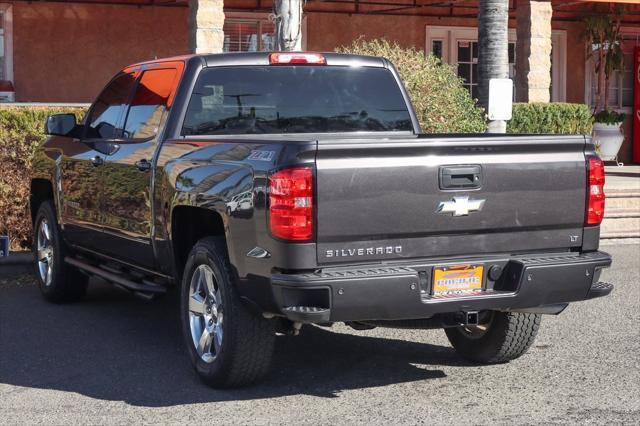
column 44, row 252
column 205, row 313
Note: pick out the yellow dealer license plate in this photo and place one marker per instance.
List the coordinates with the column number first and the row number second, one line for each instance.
column 457, row 279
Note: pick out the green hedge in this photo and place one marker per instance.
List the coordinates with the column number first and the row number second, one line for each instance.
column 551, row 118
column 21, row 131
column 441, row 102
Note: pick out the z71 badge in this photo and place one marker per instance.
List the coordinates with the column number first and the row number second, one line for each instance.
column 261, row 155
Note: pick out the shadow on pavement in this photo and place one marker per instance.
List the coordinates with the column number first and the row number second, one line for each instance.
column 113, row 346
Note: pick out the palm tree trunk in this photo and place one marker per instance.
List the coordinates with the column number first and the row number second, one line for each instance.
column 605, row 101
column 602, row 93
column 288, row 16
column 493, row 51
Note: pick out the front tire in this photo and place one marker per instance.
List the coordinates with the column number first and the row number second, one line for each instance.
column 58, row 281
column 506, row 336
column 229, row 345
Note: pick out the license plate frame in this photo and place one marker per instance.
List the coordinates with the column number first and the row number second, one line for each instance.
column 451, row 280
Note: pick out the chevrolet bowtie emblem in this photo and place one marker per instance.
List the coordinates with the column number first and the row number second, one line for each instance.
column 460, row 206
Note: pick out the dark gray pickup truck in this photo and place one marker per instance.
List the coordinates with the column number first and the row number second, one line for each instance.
column 282, row 189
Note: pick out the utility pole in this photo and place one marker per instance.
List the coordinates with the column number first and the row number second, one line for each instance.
column 493, row 52
column 288, row 20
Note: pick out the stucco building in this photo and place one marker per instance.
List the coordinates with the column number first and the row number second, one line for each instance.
column 65, row 51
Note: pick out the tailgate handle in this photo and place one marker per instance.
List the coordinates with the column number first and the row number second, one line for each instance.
column 460, row 177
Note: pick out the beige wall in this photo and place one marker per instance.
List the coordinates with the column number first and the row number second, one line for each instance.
column 68, row 52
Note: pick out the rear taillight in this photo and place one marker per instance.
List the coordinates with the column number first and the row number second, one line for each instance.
column 297, row 58
column 595, row 194
column 291, row 204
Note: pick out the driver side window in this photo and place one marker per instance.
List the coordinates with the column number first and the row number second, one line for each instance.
column 108, row 108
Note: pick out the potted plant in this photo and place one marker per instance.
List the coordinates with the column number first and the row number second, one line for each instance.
column 604, row 46
column 607, row 133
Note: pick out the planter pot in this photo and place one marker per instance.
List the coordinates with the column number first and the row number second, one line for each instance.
column 609, row 138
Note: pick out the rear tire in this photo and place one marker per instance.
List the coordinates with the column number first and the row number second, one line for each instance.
column 58, row 281
column 507, row 336
column 229, row 345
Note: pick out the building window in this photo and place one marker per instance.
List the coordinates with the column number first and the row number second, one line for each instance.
column 468, row 65
column 248, row 35
column 2, row 61
column 621, row 82
column 459, row 46
column 6, row 42
column 467, row 55
column 436, row 48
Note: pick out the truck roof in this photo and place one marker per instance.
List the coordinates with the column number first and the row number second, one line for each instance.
column 262, row 58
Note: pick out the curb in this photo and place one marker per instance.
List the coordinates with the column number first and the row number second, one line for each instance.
column 19, row 258
column 619, row 241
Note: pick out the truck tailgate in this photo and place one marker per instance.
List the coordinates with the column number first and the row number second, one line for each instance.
column 385, row 199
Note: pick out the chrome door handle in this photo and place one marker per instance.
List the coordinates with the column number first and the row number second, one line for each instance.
column 143, row 165
column 97, row 161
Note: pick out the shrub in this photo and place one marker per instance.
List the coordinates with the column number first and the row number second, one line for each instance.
column 551, row 118
column 21, row 131
column 441, row 103
column 608, row 116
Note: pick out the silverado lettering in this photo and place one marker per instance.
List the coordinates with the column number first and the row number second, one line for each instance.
column 363, row 251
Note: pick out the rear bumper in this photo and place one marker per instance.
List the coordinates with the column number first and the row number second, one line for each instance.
column 404, row 291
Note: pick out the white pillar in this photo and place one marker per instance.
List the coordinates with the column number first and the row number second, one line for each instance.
column 533, row 51
column 206, row 19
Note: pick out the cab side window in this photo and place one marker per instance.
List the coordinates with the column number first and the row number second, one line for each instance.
column 149, row 104
column 107, row 110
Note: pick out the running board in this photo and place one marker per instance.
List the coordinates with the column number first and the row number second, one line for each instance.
column 114, row 278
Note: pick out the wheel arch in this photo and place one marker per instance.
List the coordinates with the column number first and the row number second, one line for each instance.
column 41, row 190
column 189, row 224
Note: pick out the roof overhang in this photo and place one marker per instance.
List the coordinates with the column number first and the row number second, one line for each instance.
column 564, row 10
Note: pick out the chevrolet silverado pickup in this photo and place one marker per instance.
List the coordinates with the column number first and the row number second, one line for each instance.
column 281, row 189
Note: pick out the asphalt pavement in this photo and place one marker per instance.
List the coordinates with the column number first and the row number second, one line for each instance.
column 114, row 358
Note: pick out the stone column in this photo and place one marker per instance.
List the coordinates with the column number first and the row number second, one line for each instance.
column 206, row 19
column 533, row 51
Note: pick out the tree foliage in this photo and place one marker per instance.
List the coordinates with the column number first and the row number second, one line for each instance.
column 604, row 45
column 21, row 131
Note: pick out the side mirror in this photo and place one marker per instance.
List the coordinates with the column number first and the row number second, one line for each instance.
column 60, row 125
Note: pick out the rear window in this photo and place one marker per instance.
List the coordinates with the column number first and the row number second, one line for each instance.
column 295, row 99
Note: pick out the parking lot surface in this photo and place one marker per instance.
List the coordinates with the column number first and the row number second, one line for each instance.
column 114, row 358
